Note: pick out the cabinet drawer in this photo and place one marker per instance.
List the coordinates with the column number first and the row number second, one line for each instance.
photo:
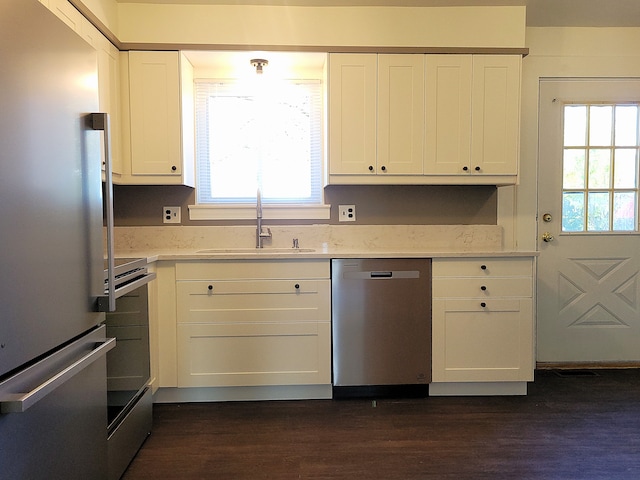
column 243, row 355
column 454, row 287
column 252, row 269
column 482, row 267
column 254, row 301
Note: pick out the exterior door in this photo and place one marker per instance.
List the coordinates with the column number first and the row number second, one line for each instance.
column 588, row 294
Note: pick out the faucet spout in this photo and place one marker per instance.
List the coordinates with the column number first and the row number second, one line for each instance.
column 261, row 232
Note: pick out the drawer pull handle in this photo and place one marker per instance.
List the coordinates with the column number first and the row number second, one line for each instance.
column 483, row 304
column 483, row 288
column 483, row 267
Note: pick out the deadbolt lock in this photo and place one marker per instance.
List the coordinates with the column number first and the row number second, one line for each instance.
column 546, row 217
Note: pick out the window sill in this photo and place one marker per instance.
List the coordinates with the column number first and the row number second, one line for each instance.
column 269, row 212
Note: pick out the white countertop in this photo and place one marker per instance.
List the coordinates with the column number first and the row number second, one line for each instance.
column 266, row 254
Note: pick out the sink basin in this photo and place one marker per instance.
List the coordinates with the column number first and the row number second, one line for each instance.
column 257, row 250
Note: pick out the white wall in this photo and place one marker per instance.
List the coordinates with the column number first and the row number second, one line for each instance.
column 321, row 26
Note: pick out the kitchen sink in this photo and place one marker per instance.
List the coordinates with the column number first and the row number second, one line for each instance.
column 257, row 250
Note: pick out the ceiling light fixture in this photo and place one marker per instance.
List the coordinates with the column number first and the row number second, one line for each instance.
column 259, row 63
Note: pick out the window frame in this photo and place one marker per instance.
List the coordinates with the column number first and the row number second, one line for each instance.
column 274, row 211
column 611, row 190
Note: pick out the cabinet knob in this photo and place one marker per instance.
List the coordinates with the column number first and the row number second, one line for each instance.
column 483, row 288
column 465, row 168
column 173, row 168
column 383, row 168
column 371, row 168
column 297, row 286
column 210, row 288
column 483, row 304
column 483, row 267
column 477, row 169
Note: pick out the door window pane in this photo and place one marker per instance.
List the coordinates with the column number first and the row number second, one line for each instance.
column 600, row 121
column 624, row 211
column 573, row 168
column 573, row 211
column 598, row 212
column 599, row 168
column 627, row 125
column 625, row 175
column 575, row 125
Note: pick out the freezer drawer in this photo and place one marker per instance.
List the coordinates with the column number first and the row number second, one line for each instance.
column 381, row 322
column 57, row 432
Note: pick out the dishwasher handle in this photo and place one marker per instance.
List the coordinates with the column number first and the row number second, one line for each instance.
column 381, row 274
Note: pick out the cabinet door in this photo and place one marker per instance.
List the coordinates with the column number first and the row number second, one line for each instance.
column 476, row 343
column 352, row 114
column 400, row 114
column 448, row 114
column 253, row 332
column 241, row 354
column 495, row 114
column 154, row 82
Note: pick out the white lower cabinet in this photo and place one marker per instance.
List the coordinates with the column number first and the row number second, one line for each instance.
column 253, row 323
column 482, row 326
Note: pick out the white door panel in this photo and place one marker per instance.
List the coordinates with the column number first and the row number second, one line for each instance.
column 588, row 306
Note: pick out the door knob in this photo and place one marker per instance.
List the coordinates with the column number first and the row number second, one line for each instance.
column 547, row 237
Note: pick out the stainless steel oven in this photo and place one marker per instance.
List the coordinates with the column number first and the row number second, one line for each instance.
column 129, row 398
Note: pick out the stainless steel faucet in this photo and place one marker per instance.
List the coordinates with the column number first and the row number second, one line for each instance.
column 261, row 232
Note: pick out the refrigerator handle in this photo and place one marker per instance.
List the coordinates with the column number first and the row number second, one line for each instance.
column 20, row 402
column 101, row 121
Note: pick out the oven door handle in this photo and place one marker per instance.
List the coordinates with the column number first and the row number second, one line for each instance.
column 103, row 302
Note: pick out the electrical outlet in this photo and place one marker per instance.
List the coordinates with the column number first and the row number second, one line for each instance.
column 346, row 213
column 171, row 214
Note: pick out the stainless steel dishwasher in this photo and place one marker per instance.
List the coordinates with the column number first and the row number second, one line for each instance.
column 381, row 325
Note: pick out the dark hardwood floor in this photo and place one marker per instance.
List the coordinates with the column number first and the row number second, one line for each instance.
column 568, row 427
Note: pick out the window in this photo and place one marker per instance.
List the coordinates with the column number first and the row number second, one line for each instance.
column 600, row 168
column 265, row 135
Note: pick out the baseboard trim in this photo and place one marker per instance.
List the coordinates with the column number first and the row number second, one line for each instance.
column 451, row 389
column 585, row 365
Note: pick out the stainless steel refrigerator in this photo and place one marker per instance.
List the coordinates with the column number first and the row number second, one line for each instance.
column 52, row 341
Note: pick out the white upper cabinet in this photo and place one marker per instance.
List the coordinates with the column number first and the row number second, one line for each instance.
column 439, row 119
column 376, row 109
column 352, row 114
column 495, row 110
column 473, row 116
column 400, row 114
column 158, row 98
column 448, row 114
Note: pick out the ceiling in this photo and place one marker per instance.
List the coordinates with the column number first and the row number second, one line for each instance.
column 540, row 13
